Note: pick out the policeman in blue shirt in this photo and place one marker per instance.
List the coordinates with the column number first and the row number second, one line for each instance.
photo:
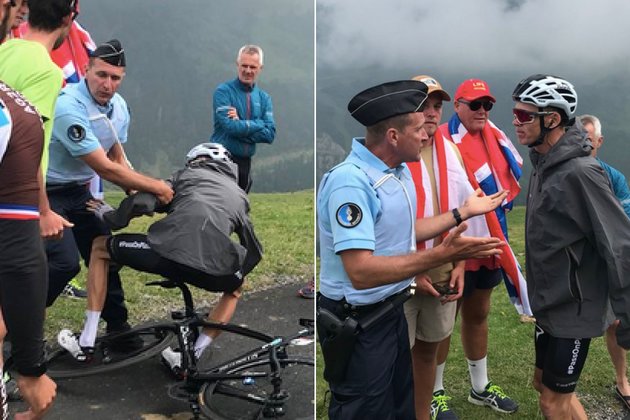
column 91, row 122
column 367, row 222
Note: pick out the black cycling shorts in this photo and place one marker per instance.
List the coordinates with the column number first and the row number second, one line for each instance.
column 23, row 285
column 133, row 250
column 484, row 278
column 560, row 359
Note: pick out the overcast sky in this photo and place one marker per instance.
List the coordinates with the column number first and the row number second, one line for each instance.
column 487, row 34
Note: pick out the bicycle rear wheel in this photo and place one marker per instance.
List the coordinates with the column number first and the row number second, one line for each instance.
column 252, row 397
column 62, row 365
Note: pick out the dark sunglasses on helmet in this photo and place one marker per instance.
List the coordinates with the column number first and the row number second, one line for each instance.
column 527, row 117
column 476, row 104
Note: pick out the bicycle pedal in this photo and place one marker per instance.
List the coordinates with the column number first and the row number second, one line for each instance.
column 178, row 315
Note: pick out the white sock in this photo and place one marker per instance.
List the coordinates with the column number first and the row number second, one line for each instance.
column 202, row 342
column 478, row 370
column 88, row 335
column 438, row 385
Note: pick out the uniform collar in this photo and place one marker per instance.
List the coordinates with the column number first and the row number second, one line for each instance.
column 362, row 152
column 105, row 109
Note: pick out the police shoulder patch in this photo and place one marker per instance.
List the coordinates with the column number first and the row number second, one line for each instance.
column 76, row 133
column 349, row 215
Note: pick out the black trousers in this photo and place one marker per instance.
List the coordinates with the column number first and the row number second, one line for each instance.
column 244, row 168
column 379, row 380
column 63, row 255
column 23, row 292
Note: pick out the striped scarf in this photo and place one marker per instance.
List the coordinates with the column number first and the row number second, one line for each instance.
column 501, row 172
column 450, row 178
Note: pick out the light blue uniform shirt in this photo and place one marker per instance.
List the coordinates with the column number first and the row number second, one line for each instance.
column 363, row 204
column 82, row 126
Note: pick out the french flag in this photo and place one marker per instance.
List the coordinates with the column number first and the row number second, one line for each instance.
column 18, row 212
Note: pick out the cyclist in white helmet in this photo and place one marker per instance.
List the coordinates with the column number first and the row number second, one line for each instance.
column 192, row 243
column 577, row 242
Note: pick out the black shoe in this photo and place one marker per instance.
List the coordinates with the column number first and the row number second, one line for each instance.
column 126, row 344
column 493, row 397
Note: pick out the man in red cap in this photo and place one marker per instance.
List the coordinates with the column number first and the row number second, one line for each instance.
column 492, row 164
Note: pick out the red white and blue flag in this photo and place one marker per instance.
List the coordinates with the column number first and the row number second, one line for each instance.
column 501, row 171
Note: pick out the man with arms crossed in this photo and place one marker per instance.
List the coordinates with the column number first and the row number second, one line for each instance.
column 577, row 242
column 243, row 113
column 368, row 229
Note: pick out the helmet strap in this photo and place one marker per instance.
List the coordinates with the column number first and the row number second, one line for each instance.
column 543, row 132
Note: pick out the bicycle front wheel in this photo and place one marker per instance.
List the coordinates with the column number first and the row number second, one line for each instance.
column 152, row 340
column 253, row 397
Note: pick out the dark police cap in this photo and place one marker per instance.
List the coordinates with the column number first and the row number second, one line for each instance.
column 111, row 52
column 388, row 100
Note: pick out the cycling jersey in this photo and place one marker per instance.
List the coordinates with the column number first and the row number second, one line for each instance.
column 21, row 143
column 23, row 264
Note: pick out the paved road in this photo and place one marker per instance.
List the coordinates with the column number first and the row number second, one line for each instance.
column 142, row 391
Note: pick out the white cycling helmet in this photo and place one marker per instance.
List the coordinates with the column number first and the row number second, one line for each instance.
column 214, row 151
column 547, row 91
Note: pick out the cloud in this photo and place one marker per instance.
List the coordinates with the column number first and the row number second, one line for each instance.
column 531, row 35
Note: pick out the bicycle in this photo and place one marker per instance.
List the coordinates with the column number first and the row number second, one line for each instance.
column 253, row 385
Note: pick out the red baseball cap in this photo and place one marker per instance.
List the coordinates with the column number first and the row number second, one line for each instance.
column 472, row 89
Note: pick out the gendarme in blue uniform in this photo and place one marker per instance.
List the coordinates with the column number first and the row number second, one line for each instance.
column 82, row 126
column 363, row 204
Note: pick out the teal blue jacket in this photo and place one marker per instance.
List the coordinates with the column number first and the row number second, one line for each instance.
column 255, row 122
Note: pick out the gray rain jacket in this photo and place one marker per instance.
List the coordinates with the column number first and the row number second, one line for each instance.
column 578, row 243
column 207, row 208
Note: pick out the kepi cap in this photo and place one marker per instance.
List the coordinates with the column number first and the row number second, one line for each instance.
column 387, row 100
column 472, row 89
column 111, row 52
column 433, row 85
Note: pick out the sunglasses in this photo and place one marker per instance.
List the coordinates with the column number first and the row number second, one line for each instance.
column 476, row 104
column 527, row 117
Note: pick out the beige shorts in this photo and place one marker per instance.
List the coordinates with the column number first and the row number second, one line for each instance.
column 428, row 320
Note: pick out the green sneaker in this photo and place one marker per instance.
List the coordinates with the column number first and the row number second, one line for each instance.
column 439, row 407
column 73, row 290
column 494, row 397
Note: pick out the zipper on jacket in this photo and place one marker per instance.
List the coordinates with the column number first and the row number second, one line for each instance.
column 574, row 279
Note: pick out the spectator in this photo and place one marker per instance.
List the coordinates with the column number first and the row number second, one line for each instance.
column 620, row 187
column 243, row 113
column 492, row 163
